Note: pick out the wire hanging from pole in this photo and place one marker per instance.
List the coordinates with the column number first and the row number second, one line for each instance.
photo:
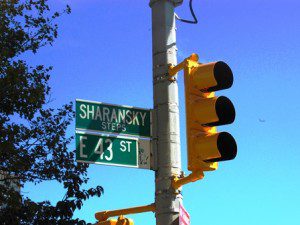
column 193, row 14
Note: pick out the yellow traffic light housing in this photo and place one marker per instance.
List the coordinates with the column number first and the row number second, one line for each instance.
column 204, row 111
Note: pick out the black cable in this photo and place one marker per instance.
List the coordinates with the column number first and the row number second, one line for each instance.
column 193, row 14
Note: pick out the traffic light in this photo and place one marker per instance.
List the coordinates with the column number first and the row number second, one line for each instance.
column 124, row 221
column 121, row 221
column 205, row 111
column 108, row 222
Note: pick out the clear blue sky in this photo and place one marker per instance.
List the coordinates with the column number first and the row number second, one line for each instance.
column 103, row 53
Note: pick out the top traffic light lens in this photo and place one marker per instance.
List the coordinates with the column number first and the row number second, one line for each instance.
column 223, row 76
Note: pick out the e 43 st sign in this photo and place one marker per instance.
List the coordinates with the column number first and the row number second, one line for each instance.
column 100, row 149
column 100, row 117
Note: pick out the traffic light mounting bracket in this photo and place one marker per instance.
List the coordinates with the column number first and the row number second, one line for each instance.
column 192, row 177
column 187, row 63
column 104, row 215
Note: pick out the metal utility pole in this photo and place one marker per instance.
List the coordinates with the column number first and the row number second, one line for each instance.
column 166, row 139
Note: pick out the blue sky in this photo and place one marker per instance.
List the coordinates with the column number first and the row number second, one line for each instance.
column 104, row 53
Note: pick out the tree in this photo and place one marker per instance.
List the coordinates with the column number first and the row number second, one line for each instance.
column 33, row 140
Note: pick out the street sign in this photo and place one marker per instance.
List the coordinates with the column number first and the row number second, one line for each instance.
column 184, row 217
column 112, row 150
column 100, row 117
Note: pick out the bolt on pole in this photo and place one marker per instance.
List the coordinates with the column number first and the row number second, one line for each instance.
column 166, row 139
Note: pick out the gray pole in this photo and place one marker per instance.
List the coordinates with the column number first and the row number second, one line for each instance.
column 166, row 139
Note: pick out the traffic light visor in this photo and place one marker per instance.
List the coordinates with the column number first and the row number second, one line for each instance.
column 212, row 111
column 225, row 112
column 212, row 76
column 223, row 75
column 226, row 146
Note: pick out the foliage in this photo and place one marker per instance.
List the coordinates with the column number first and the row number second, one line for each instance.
column 33, row 140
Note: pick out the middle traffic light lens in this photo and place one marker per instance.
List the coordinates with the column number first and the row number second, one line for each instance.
column 224, row 110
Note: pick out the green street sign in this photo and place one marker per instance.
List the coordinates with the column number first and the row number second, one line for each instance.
column 105, row 149
column 100, row 117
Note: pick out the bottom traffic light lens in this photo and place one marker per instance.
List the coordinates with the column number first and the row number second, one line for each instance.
column 226, row 146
